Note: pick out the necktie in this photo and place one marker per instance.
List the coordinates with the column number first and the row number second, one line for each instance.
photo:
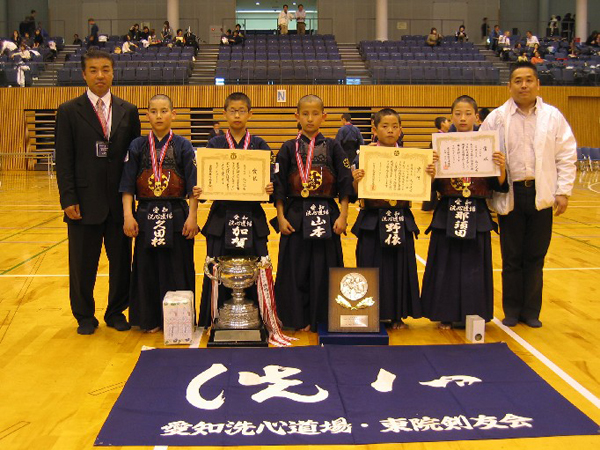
column 100, row 108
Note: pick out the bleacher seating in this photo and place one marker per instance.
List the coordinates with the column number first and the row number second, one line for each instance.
column 411, row 61
column 152, row 65
column 273, row 59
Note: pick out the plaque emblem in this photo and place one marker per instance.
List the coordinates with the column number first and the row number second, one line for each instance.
column 354, row 287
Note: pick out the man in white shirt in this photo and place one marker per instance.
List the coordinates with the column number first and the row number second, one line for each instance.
column 540, row 151
column 301, row 19
column 531, row 39
column 284, row 20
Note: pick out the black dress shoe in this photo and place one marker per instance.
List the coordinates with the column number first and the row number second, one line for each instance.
column 510, row 321
column 119, row 323
column 533, row 323
column 87, row 328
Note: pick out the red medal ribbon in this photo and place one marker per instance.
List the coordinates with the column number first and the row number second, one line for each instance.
column 157, row 166
column 231, row 142
column 305, row 172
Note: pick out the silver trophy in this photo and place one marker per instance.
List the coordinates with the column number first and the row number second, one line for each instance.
column 239, row 321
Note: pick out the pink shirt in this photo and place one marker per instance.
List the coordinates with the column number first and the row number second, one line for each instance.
column 521, row 155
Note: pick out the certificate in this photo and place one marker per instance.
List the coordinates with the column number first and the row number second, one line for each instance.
column 466, row 154
column 395, row 173
column 241, row 175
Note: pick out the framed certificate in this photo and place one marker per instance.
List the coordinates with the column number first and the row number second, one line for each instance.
column 241, row 175
column 466, row 154
column 395, row 173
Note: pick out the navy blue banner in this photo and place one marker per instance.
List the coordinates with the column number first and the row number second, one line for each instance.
column 336, row 395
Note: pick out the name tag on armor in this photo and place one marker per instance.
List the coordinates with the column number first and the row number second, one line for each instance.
column 316, row 220
column 391, row 227
column 238, row 230
column 159, row 225
column 461, row 218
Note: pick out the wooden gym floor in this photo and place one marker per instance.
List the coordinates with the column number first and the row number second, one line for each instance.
column 57, row 388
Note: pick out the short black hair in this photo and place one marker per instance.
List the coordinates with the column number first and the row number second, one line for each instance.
column 238, row 96
column 161, row 97
column 310, row 98
column 385, row 112
column 347, row 117
column 285, row 6
column 483, row 113
column 465, row 99
column 216, row 122
column 96, row 54
column 439, row 121
column 523, row 65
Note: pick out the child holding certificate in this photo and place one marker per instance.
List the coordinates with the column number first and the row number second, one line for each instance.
column 386, row 231
column 160, row 171
column 226, row 235
column 311, row 171
column 458, row 278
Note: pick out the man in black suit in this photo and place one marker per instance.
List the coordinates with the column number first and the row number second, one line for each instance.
column 93, row 133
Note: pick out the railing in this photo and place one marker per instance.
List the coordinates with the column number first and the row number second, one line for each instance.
column 364, row 28
column 121, row 26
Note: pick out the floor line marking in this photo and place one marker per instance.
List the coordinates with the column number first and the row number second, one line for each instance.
column 30, row 228
column 33, row 257
column 557, row 370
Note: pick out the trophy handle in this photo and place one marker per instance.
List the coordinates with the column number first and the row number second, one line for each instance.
column 209, row 260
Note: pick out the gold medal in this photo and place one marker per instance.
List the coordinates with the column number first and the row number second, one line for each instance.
column 392, row 202
column 304, row 193
column 158, row 190
column 466, row 192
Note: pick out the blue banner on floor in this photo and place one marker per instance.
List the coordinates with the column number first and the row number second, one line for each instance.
column 336, row 395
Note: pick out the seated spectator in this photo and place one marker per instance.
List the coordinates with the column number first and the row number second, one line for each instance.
column 166, row 34
column 238, row 28
column 23, row 53
column 129, row 46
column 531, row 39
column 27, row 40
column 43, row 32
column 461, row 34
column 236, row 38
column 504, row 47
column 191, row 41
column 7, row 47
column 117, row 50
column 537, row 58
column 134, row 32
column 225, row 37
column 494, row 37
column 16, row 38
column 179, row 39
column 145, row 34
column 76, row 40
column 215, row 131
column 38, row 38
column 522, row 57
column 434, row 38
column 152, row 38
column 593, row 40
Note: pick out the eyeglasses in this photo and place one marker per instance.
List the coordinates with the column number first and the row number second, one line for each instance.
column 233, row 112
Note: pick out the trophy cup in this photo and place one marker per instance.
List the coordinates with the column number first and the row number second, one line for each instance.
column 239, row 323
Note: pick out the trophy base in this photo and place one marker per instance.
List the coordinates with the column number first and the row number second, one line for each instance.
column 222, row 337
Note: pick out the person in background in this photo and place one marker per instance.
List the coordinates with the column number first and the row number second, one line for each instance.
column 93, row 37
column 283, row 21
column 461, row 34
column 166, row 33
column 301, row 19
column 349, row 137
column 215, row 130
column 434, row 38
column 485, row 30
column 76, row 40
column 531, row 39
column 15, row 38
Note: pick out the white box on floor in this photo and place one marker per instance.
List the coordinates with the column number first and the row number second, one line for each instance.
column 475, row 329
column 178, row 313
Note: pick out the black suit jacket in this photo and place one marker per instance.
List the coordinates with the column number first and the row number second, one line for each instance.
column 83, row 178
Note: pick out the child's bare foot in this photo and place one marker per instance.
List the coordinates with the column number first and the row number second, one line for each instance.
column 400, row 325
column 445, row 325
column 153, row 330
column 306, row 328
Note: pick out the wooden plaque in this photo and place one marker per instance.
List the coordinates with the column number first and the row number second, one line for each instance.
column 354, row 300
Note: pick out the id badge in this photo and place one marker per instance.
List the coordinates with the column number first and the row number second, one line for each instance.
column 101, row 149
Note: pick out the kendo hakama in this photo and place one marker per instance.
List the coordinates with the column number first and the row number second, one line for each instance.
column 156, row 271
column 393, row 253
column 302, row 283
column 458, row 278
column 215, row 232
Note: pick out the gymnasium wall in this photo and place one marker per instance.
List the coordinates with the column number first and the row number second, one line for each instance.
column 581, row 106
